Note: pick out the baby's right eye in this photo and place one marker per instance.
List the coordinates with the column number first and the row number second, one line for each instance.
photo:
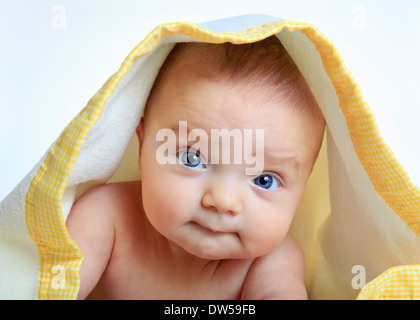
column 190, row 158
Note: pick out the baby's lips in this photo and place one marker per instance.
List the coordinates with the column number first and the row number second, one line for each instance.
column 209, row 228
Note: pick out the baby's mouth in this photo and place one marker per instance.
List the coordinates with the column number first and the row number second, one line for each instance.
column 205, row 228
column 214, row 232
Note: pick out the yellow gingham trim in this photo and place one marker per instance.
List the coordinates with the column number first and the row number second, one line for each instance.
column 43, row 210
column 397, row 283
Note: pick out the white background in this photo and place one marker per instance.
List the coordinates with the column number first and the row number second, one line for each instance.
column 54, row 55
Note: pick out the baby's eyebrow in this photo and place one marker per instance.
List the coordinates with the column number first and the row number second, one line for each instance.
column 285, row 158
column 176, row 128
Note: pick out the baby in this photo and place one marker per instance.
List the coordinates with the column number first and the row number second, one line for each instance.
column 199, row 228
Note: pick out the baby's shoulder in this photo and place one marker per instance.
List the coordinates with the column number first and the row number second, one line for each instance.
column 113, row 193
column 95, row 222
column 112, row 198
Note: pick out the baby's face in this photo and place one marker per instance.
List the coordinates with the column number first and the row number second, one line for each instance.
column 217, row 211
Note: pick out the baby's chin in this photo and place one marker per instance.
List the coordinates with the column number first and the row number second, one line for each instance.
column 212, row 245
column 218, row 252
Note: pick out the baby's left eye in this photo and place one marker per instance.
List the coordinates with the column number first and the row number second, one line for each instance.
column 268, row 181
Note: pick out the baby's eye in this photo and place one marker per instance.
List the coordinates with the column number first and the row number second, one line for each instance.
column 268, row 181
column 190, row 158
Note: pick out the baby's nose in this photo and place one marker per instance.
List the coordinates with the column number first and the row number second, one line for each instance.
column 222, row 199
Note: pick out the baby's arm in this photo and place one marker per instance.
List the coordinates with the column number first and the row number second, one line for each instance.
column 91, row 226
column 278, row 275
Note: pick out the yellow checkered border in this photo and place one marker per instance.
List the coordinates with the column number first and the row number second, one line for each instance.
column 397, row 283
column 43, row 211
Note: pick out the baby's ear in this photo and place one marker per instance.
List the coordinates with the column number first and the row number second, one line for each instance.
column 140, row 133
column 140, row 136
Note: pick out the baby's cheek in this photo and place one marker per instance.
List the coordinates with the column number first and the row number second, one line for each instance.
column 268, row 231
column 164, row 200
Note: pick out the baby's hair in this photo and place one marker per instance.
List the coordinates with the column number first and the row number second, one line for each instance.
column 256, row 65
